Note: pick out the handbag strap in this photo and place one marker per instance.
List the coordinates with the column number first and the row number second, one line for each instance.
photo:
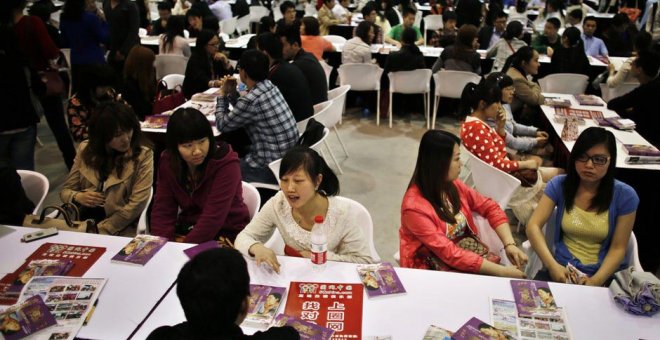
column 61, row 211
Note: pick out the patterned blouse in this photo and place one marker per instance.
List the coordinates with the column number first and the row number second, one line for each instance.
column 484, row 142
column 78, row 116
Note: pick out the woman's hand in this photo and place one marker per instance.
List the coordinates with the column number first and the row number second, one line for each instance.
column 549, row 51
column 501, row 120
column 516, row 256
column 262, row 254
column 90, row 199
column 541, row 138
column 528, row 164
column 611, row 68
column 558, row 273
column 511, row 271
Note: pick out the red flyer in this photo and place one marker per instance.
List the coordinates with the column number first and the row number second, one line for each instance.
column 82, row 257
column 337, row 306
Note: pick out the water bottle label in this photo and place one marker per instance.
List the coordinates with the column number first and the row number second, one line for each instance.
column 318, row 257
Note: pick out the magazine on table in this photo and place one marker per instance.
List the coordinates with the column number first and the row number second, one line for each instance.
column 479, row 330
column 42, row 267
column 263, row 305
column 307, row 330
column 588, row 100
column 156, row 121
column 25, row 318
column 69, row 300
column 437, row 333
column 534, row 298
column 504, row 316
column 200, row 248
column 140, row 250
column 380, row 279
column 579, row 113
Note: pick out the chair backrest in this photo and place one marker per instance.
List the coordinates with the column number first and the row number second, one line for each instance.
column 143, row 226
column 609, row 93
column 632, row 253
column 310, row 10
column 416, row 81
column 450, row 84
column 186, row 34
column 274, row 167
column 251, row 198
column 172, row 80
column 277, row 14
column 565, row 83
column 170, row 64
column 492, row 182
column 398, row 14
column 418, row 19
column 361, row 217
column 327, row 69
column 142, row 32
column 318, row 108
column 258, row 12
column 228, row 26
column 361, row 77
column 317, row 146
column 243, row 24
column 433, row 22
column 36, row 187
column 332, row 115
column 335, row 39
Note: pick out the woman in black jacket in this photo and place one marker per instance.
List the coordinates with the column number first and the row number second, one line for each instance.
column 206, row 64
column 570, row 57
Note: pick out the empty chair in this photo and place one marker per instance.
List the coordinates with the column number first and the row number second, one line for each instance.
column 335, row 39
column 170, row 64
column 228, row 26
column 173, row 80
column 258, row 12
column 36, row 187
column 490, row 181
column 251, row 198
column 565, row 83
column 362, row 77
column 334, row 114
column 327, row 69
column 408, row 82
column 450, row 84
column 143, row 226
column 360, row 215
column 328, row 114
column 243, row 25
column 432, row 22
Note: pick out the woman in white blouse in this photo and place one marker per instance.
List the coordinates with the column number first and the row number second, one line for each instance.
column 358, row 49
column 308, row 189
column 173, row 42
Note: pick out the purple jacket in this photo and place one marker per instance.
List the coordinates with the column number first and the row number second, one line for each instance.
column 215, row 207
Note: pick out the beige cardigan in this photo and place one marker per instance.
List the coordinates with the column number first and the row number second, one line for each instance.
column 346, row 241
column 327, row 19
column 528, row 93
column 125, row 197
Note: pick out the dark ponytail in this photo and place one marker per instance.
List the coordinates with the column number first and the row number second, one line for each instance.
column 302, row 157
column 468, row 100
column 522, row 55
column 473, row 94
column 513, row 30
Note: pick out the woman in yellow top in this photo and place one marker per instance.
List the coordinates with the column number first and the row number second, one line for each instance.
column 595, row 214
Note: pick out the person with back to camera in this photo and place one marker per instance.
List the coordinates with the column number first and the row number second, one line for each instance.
column 312, row 42
column 595, row 214
column 172, row 40
column 199, row 194
column 308, row 190
column 462, row 55
column 508, row 45
column 214, row 290
column 112, row 174
column 436, row 214
column 570, row 56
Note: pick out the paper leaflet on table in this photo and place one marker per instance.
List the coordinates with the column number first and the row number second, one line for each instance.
column 437, row 333
column 380, row 279
column 575, row 276
column 140, row 250
column 264, row 302
column 306, row 330
column 534, row 298
column 40, row 268
column 337, row 306
column 69, row 299
column 504, row 315
column 25, row 318
column 476, row 329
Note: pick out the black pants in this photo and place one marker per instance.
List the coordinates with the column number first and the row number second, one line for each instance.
column 54, row 112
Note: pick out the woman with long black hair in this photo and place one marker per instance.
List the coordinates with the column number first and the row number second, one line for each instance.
column 570, row 57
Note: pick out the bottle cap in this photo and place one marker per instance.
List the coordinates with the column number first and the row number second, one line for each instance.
column 318, row 219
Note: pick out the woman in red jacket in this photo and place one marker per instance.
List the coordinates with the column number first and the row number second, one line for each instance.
column 199, row 194
column 437, row 211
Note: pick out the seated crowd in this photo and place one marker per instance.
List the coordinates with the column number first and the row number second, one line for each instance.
column 198, row 191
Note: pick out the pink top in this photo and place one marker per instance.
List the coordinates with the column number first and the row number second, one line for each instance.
column 316, row 45
column 484, row 142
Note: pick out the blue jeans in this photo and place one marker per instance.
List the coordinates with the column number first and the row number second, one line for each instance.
column 260, row 175
column 19, row 148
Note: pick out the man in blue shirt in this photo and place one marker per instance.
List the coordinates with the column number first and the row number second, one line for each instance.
column 593, row 47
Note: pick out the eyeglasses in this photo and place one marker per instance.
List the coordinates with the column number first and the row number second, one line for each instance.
column 217, row 45
column 598, row 160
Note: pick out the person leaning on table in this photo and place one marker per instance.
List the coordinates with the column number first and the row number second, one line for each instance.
column 214, row 291
column 206, row 64
column 595, row 214
column 308, row 190
column 112, row 174
column 437, row 211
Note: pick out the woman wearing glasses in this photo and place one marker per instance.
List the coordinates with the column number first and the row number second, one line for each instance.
column 206, row 64
column 595, row 214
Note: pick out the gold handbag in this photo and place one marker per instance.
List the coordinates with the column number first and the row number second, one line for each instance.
column 69, row 221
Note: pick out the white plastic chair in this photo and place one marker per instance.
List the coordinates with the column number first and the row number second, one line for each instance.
column 450, row 84
column 258, row 12
column 362, row 77
column 228, row 26
column 565, row 83
column 418, row 19
column 360, row 215
column 173, row 80
column 318, row 108
column 310, row 10
column 334, row 114
column 398, row 14
column 277, row 14
column 170, row 64
column 490, row 181
column 36, row 187
column 335, row 39
column 142, row 32
column 143, row 226
column 186, row 34
column 408, row 82
column 327, row 69
column 243, row 25
column 328, row 113
column 432, row 22
column 609, row 93
column 251, row 198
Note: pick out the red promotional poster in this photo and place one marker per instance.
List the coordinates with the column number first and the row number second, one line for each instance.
column 337, row 306
column 82, row 257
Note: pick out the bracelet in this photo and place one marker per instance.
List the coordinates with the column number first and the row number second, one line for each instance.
column 510, row 244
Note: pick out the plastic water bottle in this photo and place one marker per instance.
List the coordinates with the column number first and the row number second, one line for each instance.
column 319, row 244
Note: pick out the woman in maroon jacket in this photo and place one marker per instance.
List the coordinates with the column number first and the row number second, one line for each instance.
column 199, row 195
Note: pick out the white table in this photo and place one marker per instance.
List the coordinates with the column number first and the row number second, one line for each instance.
column 189, row 103
column 153, row 40
column 622, row 137
column 444, row 299
column 131, row 291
